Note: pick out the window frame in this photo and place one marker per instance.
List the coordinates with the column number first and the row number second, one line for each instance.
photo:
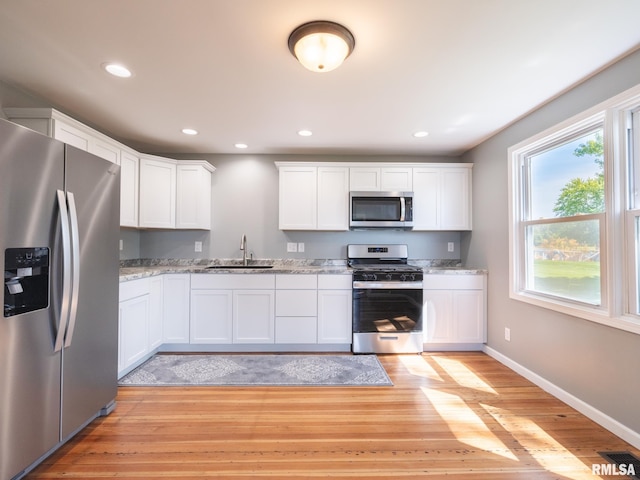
column 619, row 273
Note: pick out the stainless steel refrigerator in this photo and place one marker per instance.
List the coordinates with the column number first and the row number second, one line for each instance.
column 59, row 228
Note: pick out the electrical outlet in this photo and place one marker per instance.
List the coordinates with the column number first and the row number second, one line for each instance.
column 292, row 247
column 121, row 245
column 198, row 247
column 301, row 247
column 450, row 247
column 507, row 334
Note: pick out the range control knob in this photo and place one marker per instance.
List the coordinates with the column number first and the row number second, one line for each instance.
column 389, row 276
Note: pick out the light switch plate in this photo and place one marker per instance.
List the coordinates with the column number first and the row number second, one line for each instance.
column 450, row 247
column 292, row 247
column 301, row 247
column 198, row 247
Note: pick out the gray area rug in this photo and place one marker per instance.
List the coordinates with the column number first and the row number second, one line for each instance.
column 259, row 370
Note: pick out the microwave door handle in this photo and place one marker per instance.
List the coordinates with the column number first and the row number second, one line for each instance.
column 403, row 209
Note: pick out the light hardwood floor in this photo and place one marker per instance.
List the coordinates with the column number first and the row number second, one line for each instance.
column 460, row 415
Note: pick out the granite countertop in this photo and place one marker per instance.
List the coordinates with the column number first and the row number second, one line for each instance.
column 134, row 269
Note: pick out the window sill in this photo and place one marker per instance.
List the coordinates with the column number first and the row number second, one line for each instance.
column 627, row 323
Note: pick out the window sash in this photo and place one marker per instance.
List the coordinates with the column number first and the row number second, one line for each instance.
column 526, row 259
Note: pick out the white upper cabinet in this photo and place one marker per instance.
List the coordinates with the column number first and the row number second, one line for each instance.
column 175, row 194
column 442, row 197
column 57, row 125
column 193, row 190
column 298, row 197
column 129, row 193
column 396, row 179
column 364, row 179
column 383, row 178
column 333, row 198
column 157, row 192
column 313, row 197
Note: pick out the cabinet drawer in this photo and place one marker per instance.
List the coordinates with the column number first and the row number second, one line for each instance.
column 292, row 303
column 453, row 282
column 134, row 288
column 335, row 282
column 232, row 281
column 297, row 282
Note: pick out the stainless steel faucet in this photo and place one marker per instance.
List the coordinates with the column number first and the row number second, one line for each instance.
column 243, row 247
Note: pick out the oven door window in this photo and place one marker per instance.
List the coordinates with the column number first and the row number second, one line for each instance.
column 387, row 310
column 375, row 209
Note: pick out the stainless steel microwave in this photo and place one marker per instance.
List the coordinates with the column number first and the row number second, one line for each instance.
column 381, row 210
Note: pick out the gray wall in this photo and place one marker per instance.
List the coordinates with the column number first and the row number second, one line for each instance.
column 595, row 363
column 245, row 201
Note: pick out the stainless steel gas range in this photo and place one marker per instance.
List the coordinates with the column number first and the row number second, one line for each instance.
column 387, row 300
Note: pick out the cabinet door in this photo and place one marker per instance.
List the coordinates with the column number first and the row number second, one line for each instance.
column 176, row 308
column 426, row 199
column 193, row 190
column 157, row 193
column 156, row 307
column 71, row 135
column 455, row 199
column 133, row 336
column 105, row 150
column 468, row 315
column 253, row 316
column 211, row 316
column 298, row 198
column 364, row 179
column 333, row 198
column 334, row 316
column 129, row 178
column 296, row 330
column 438, row 316
column 396, row 179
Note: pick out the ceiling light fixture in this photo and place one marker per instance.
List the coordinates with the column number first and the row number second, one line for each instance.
column 420, row 134
column 241, row 145
column 305, row 133
column 321, row 46
column 117, row 70
column 189, row 131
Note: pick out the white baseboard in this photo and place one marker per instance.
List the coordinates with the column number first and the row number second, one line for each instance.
column 589, row 411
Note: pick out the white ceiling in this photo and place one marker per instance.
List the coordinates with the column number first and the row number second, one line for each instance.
column 460, row 69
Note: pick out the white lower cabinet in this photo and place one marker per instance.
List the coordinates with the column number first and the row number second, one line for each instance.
column 334, row 309
column 253, row 316
column 211, row 316
column 137, row 305
column 133, row 318
column 156, row 311
column 230, row 308
column 454, row 311
column 296, row 308
column 176, row 296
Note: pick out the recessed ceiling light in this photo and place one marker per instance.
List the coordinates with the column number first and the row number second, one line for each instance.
column 189, row 131
column 241, row 145
column 420, row 134
column 117, row 70
column 305, row 133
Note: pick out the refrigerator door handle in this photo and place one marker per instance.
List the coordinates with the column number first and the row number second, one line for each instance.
column 75, row 275
column 66, row 270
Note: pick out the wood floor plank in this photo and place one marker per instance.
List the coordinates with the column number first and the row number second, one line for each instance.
column 459, row 415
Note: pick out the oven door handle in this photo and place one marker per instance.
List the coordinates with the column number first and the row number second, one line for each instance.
column 388, row 285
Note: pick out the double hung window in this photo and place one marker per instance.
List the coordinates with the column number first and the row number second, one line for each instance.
column 575, row 215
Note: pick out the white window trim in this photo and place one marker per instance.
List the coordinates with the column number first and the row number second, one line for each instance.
column 615, row 249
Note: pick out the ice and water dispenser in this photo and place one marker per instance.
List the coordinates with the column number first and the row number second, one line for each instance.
column 26, row 280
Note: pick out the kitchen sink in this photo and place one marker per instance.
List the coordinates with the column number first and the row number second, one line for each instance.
column 234, row 267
